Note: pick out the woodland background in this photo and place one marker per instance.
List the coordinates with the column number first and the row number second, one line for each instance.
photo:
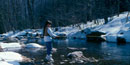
column 23, row 14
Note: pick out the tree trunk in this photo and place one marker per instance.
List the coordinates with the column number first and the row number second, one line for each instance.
column 127, row 18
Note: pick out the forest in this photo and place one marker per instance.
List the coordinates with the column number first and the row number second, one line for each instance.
column 24, row 14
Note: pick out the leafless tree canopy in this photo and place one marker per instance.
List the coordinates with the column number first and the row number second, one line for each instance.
column 22, row 14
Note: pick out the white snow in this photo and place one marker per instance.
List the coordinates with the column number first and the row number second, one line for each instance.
column 61, row 33
column 33, row 48
column 10, row 46
column 116, row 27
column 33, row 45
column 8, row 33
column 14, row 63
column 19, row 34
column 9, row 63
column 10, row 56
column 75, row 30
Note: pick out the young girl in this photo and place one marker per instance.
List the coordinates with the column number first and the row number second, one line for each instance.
column 48, row 35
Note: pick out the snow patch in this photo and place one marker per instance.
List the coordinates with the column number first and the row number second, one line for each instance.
column 9, row 63
column 33, row 45
column 10, row 45
column 10, row 56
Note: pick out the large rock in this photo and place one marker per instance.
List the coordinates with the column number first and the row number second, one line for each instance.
column 10, row 46
column 127, row 35
column 95, row 36
column 111, row 38
column 13, row 56
column 116, row 38
column 10, row 56
column 78, row 57
column 1, row 37
column 34, row 48
column 10, row 39
column 121, row 40
column 76, row 54
column 33, row 45
column 22, row 33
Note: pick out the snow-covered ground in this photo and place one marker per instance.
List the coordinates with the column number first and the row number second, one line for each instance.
column 10, row 46
column 10, row 58
column 9, row 63
column 118, row 27
column 80, row 30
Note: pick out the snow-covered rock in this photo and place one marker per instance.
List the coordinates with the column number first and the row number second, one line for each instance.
column 10, row 56
column 78, row 57
column 61, row 33
column 117, row 27
column 114, row 26
column 34, row 48
column 114, row 37
column 1, row 35
column 80, row 34
column 127, row 36
column 10, row 39
column 77, row 30
column 10, row 46
column 8, row 34
column 9, row 63
column 111, row 38
column 22, row 33
column 75, row 54
column 33, row 45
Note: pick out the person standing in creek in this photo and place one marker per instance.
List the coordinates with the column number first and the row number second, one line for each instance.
column 48, row 35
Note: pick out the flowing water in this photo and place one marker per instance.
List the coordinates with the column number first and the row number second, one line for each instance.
column 106, row 53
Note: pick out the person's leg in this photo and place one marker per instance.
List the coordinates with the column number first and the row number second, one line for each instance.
column 49, row 48
column 49, row 51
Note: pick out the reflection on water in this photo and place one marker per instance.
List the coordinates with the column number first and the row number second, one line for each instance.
column 107, row 53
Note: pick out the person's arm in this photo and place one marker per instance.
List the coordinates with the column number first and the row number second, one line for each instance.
column 50, row 32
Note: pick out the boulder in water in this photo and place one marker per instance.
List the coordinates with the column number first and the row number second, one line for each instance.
column 33, row 45
column 78, row 57
column 95, row 36
column 34, row 48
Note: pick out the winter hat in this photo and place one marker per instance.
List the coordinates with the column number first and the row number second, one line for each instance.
column 49, row 22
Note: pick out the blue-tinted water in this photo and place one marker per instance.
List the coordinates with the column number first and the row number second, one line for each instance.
column 106, row 53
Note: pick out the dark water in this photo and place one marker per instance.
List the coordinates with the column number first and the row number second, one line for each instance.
column 106, row 53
